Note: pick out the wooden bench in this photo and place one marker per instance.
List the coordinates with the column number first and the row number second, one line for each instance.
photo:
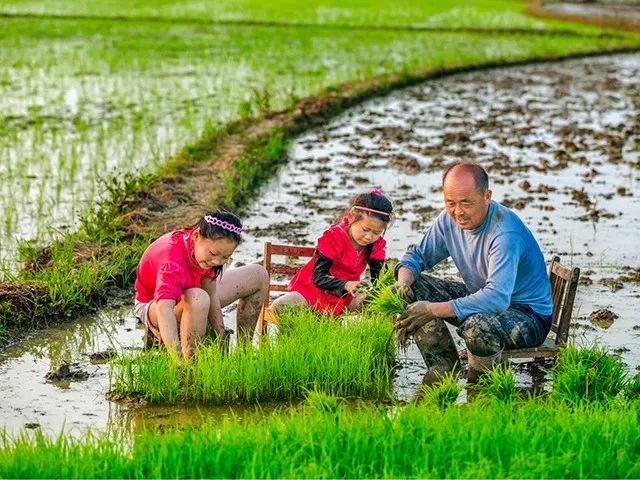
column 564, row 283
column 286, row 269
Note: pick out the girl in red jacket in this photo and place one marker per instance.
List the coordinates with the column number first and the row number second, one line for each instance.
column 328, row 281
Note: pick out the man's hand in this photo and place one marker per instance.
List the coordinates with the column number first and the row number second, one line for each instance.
column 415, row 316
column 404, row 291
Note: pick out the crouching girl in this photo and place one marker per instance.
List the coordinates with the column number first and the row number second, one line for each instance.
column 180, row 286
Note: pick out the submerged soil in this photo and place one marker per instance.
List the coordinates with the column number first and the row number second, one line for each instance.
column 560, row 142
column 619, row 14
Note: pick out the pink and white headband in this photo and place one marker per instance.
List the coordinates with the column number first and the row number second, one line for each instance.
column 211, row 220
column 371, row 210
column 374, row 191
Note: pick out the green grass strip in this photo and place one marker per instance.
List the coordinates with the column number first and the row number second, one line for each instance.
column 347, row 357
column 329, row 439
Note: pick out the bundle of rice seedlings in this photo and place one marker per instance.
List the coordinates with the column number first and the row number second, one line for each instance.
column 386, row 301
column 588, row 374
column 498, row 383
column 443, row 393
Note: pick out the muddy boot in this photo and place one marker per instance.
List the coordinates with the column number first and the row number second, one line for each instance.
column 438, row 350
column 479, row 365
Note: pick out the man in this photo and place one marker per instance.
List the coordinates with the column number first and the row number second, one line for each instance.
column 505, row 301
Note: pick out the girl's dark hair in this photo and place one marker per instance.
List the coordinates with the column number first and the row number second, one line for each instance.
column 373, row 200
column 220, row 224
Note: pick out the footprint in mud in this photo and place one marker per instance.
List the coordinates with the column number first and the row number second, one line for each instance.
column 602, row 318
column 613, row 284
column 67, row 372
column 630, row 274
column 405, row 164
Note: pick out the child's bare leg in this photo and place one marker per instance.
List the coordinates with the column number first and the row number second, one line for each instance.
column 290, row 298
column 250, row 285
column 355, row 305
column 193, row 320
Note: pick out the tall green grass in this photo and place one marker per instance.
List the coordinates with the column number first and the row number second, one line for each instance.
column 588, row 374
column 311, row 351
column 330, row 439
column 498, row 383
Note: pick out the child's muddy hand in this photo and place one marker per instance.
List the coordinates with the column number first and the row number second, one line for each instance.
column 351, row 286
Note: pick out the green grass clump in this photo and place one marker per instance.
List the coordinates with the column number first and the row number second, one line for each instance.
column 311, row 352
column 498, row 383
column 381, row 298
column 587, row 374
column 331, row 439
column 632, row 389
column 443, row 393
column 387, row 302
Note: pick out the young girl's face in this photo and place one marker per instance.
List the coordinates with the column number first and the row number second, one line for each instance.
column 366, row 230
column 212, row 253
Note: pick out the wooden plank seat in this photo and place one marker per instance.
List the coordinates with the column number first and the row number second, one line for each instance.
column 564, row 283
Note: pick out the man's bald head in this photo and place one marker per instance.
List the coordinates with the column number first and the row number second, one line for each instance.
column 479, row 174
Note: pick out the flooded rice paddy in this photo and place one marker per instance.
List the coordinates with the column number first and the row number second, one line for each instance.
column 83, row 100
column 561, row 143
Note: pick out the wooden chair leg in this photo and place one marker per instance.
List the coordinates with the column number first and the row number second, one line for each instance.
column 261, row 326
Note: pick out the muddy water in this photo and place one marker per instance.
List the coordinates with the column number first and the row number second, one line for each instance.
column 561, row 143
column 618, row 10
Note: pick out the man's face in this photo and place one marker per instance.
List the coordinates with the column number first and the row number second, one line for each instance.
column 466, row 206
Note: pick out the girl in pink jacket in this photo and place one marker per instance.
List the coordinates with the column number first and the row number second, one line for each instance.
column 180, row 286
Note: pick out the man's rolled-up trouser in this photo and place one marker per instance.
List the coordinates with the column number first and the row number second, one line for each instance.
column 484, row 334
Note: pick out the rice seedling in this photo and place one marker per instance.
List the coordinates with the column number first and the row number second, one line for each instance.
column 587, row 374
column 387, row 302
column 498, row 383
column 443, row 393
column 381, row 298
column 328, row 438
column 311, row 352
column 632, row 389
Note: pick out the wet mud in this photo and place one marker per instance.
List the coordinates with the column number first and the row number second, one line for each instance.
column 561, row 143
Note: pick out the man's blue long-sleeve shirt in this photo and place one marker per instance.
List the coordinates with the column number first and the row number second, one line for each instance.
column 500, row 262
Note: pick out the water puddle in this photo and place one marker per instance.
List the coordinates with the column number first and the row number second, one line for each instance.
column 561, row 142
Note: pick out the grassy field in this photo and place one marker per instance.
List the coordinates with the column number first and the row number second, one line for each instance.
column 448, row 13
column 327, row 438
column 85, row 99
